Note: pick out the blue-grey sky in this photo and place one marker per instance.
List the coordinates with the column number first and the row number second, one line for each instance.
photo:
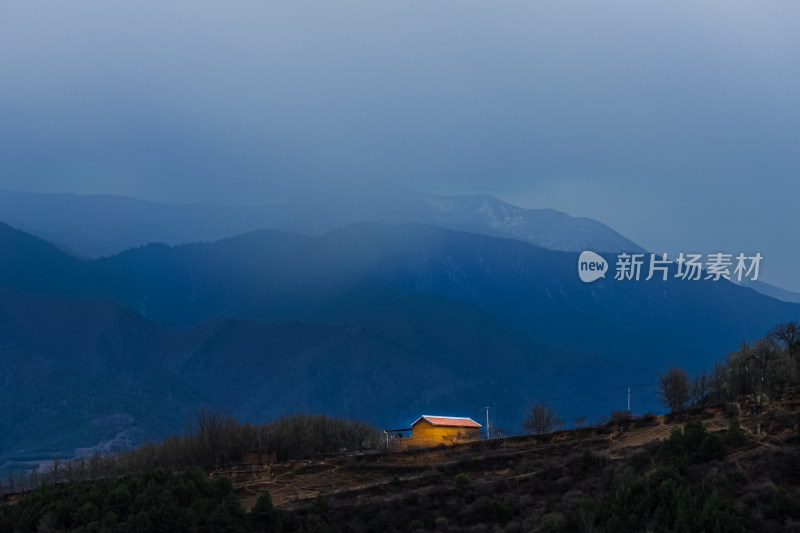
column 677, row 123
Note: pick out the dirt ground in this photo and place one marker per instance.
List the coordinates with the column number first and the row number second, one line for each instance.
column 293, row 484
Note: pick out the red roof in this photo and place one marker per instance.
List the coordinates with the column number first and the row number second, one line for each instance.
column 451, row 421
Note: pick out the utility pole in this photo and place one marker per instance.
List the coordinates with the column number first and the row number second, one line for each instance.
column 629, row 400
column 487, row 423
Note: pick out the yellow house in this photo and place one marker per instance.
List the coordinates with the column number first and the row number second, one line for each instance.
column 429, row 431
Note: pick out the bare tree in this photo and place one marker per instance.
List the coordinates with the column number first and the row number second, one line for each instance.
column 541, row 419
column 788, row 335
column 674, row 388
column 718, row 382
column 698, row 389
column 763, row 356
column 739, row 371
column 783, row 370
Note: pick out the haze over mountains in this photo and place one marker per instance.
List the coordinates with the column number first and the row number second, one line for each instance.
column 94, row 226
column 378, row 320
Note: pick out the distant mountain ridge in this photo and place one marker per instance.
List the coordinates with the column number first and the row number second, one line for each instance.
column 83, row 371
column 373, row 320
column 771, row 290
column 102, row 225
column 273, row 275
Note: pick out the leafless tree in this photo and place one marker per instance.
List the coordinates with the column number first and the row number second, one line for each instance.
column 541, row 419
column 718, row 382
column 698, row 389
column 763, row 356
column 739, row 371
column 674, row 388
column 788, row 335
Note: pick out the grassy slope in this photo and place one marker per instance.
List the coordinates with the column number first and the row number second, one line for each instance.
column 565, row 481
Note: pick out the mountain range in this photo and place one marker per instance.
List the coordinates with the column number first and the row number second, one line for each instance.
column 376, row 320
column 101, row 225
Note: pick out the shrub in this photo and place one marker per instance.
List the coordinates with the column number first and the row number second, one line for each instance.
column 711, row 449
column 263, row 512
column 461, row 480
column 782, row 505
column 553, row 523
column 735, row 435
column 320, row 505
column 502, row 511
column 411, row 498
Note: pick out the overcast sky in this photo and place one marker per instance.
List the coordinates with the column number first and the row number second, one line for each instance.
column 677, row 123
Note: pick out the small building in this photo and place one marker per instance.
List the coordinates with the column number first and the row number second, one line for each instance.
column 428, row 431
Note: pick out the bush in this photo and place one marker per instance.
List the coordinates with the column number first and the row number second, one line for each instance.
column 735, row 435
column 782, row 505
column 320, row 505
column 553, row 523
column 264, row 513
column 411, row 498
column 645, row 420
column 664, row 499
column 502, row 511
column 711, row 449
column 692, row 444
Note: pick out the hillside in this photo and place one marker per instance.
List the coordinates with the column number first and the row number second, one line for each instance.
column 560, row 481
column 706, row 469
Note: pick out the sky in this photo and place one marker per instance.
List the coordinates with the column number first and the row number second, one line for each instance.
column 677, row 123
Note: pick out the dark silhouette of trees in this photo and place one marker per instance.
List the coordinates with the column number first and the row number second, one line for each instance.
column 541, row 419
column 762, row 370
column 718, row 389
column 674, row 388
column 788, row 335
column 156, row 500
column 739, row 380
column 698, row 389
column 763, row 356
column 214, row 440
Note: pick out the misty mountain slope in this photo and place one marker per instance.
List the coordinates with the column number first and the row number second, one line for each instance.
column 109, row 377
column 82, row 374
column 269, row 275
column 547, row 228
column 405, row 319
column 263, row 370
column 454, row 334
column 218, row 284
column 32, row 264
column 94, row 226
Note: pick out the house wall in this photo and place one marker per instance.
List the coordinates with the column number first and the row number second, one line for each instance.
column 426, row 435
